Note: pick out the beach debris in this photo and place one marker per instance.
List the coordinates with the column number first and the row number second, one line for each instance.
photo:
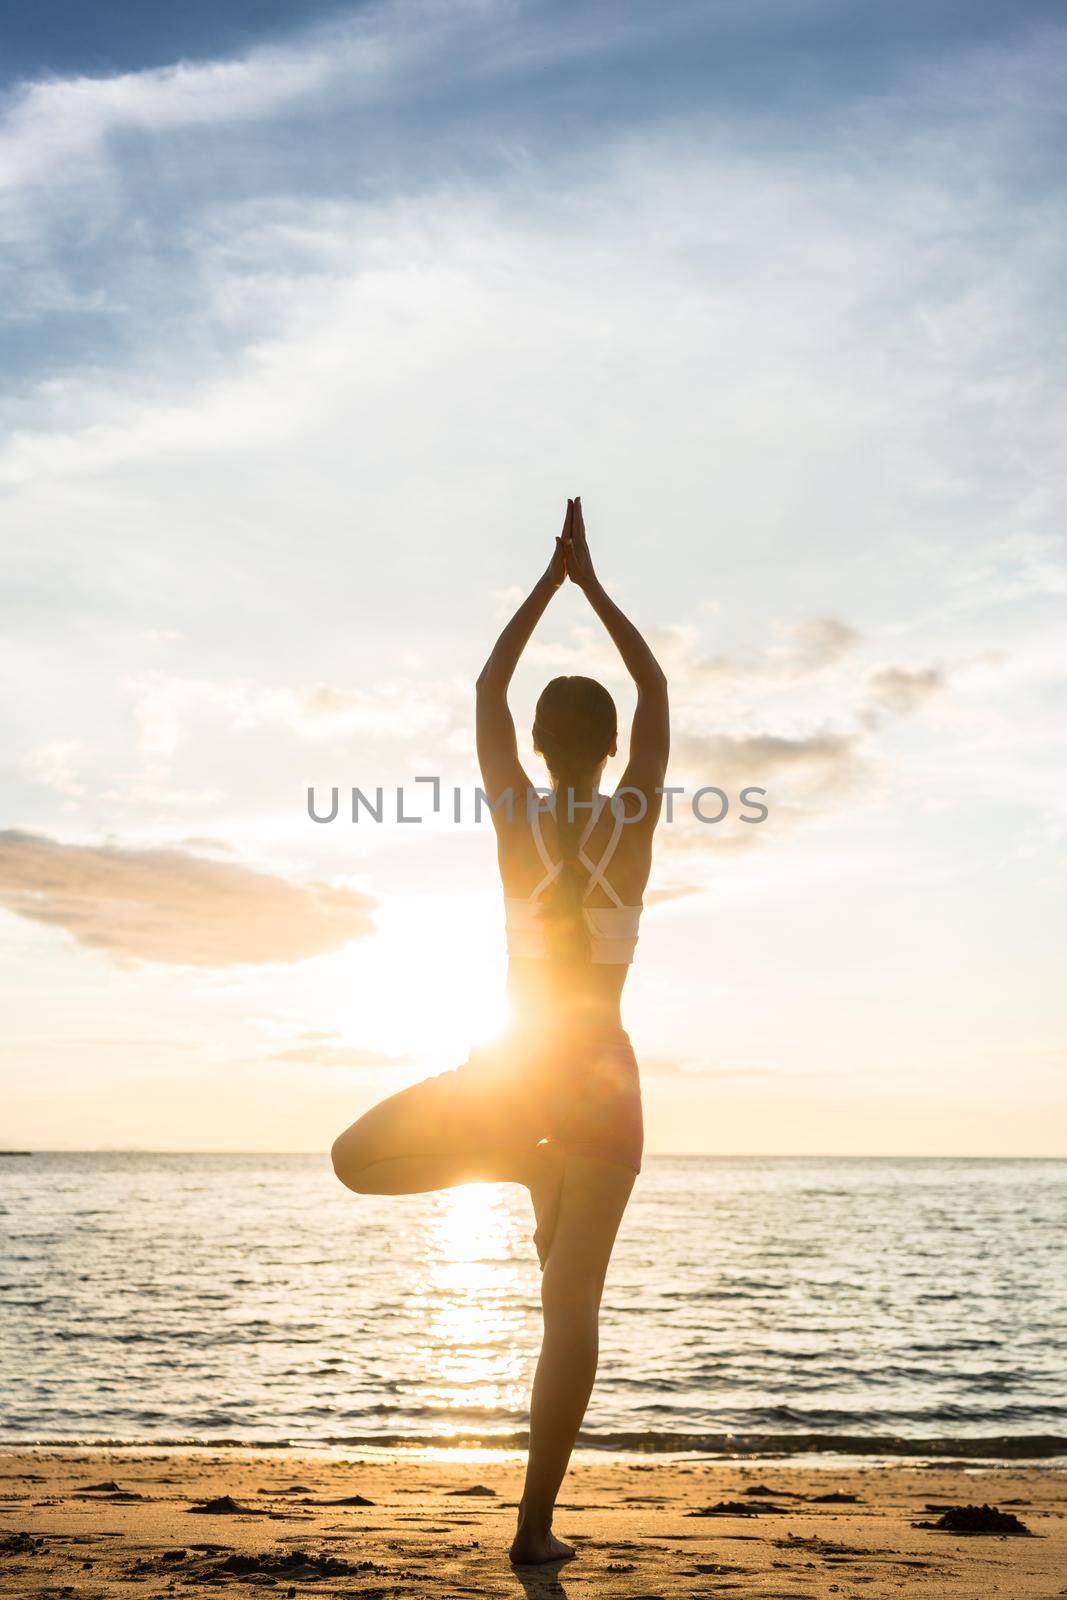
column 291, row 1564
column 20, row 1544
column 475, row 1488
column 109, row 1492
column 976, row 1519
column 224, row 1506
column 739, row 1508
column 212, row 1564
column 824, row 1547
column 112, row 1493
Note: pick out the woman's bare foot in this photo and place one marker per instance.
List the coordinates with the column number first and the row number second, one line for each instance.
column 530, row 1549
column 546, row 1181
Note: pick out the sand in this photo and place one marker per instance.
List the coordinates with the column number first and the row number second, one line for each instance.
column 108, row 1523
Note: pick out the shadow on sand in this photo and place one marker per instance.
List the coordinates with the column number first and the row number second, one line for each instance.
column 541, row 1583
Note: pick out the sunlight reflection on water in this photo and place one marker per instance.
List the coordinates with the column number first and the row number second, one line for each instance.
column 471, row 1291
column 252, row 1298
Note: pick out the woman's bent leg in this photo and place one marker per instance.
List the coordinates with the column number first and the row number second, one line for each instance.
column 592, row 1201
column 460, row 1127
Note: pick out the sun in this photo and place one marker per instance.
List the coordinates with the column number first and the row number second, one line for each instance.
column 429, row 984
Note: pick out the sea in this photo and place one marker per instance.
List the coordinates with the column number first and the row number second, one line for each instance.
column 753, row 1305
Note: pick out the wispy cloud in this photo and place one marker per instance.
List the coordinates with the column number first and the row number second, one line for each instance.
column 172, row 906
column 900, row 690
column 166, row 706
column 330, row 1054
column 47, row 125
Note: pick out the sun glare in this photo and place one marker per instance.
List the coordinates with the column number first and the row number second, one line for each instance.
column 430, row 983
column 473, row 1293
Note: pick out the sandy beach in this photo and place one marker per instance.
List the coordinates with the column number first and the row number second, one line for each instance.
column 105, row 1523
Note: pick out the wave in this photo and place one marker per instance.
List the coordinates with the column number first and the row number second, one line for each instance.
column 993, row 1447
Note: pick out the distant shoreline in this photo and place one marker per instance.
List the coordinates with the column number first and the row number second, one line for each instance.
column 662, row 1155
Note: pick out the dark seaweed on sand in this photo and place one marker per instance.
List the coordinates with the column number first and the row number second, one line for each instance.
column 211, row 1563
column 20, row 1544
column 977, row 1519
column 739, row 1508
column 292, row 1564
column 225, row 1506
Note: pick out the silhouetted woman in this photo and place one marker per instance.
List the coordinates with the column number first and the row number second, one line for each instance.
column 555, row 1104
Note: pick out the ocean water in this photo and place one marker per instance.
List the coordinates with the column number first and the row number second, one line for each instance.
column 771, row 1303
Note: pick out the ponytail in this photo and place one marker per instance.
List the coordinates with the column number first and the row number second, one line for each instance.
column 562, row 910
column 574, row 728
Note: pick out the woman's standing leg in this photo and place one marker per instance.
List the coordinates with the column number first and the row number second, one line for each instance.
column 592, row 1200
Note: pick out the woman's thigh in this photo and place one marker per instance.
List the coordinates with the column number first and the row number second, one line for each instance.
column 474, row 1107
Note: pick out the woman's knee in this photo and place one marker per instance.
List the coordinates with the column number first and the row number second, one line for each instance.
column 351, row 1156
column 414, row 1119
column 570, row 1298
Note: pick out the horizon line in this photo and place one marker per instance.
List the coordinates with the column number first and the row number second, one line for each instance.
column 659, row 1155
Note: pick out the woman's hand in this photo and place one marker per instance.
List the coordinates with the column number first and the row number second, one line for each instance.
column 557, row 567
column 579, row 561
column 498, row 752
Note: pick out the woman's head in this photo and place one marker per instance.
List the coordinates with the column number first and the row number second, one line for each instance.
column 575, row 728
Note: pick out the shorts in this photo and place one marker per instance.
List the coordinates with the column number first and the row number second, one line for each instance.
column 577, row 1087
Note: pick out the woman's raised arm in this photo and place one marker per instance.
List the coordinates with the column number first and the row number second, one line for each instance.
column 498, row 753
column 650, row 735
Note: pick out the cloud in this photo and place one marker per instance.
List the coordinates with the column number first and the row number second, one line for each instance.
column 1003, row 570
column 677, row 891
column 662, row 1067
column 165, row 704
column 49, row 124
column 172, row 906
column 901, row 690
column 811, row 645
column 798, row 654
column 322, row 1053
column 803, row 773
column 824, row 761
column 687, row 1067
column 54, row 765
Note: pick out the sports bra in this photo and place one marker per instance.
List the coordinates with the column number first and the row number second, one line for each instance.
column 612, row 929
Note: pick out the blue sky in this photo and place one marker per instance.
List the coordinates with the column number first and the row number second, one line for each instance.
column 312, row 318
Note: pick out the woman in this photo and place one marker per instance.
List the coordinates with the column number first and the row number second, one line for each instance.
column 556, row 1104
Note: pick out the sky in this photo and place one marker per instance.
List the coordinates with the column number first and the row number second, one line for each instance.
column 312, row 317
